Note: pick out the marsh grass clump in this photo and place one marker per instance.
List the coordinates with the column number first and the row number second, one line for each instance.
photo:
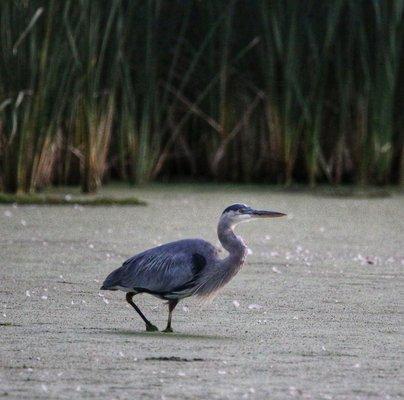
column 55, row 199
column 276, row 92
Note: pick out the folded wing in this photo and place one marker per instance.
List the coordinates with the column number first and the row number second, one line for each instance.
column 170, row 268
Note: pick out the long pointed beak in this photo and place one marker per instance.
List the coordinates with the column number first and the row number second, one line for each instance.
column 267, row 214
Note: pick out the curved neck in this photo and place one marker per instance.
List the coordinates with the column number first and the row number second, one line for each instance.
column 231, row 242
column 221, row 273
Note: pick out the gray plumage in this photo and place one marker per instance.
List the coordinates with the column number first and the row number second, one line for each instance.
column 168, row 271
column 188, row 267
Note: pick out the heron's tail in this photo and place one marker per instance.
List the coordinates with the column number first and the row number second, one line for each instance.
column 104, row 287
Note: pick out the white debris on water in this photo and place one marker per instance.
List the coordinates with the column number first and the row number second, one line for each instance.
column 121, row 354
column 8, row 214
column 357, row 365
column 44, row 387
column 106, row 301
column 23, row 222
column 181, row 373
column 236, row 303
column 78, row 388
column 254, row 307
column 27, row 293
column 91, row 246
column 44, row 297
column 222, row 372
column 295, row 317
column 68, row 197
column 294, row 392
column 276, row 270
column 185, row 309
column 249, row 251
column 366, row 260
column 274, row 254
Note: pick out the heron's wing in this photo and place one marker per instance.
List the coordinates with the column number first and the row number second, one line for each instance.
column 165, row 269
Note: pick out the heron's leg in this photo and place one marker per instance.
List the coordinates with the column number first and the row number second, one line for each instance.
column 149, row 326
column 171, row 305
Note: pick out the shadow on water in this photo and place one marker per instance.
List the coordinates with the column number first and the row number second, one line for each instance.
column 161, row 335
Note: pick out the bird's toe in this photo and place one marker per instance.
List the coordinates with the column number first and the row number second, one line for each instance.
column 168, row 330
column 151, row 328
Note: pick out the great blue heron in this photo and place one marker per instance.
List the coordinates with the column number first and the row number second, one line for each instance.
column 187, row 267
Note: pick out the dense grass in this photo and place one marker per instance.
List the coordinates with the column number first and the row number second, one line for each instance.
column 260, row 91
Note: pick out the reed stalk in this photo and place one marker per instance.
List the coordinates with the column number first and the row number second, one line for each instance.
column 278, row 91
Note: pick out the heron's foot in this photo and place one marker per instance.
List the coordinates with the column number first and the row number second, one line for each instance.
column 168, row 330
column 151, row 328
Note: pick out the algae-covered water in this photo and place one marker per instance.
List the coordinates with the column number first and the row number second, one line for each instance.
column 315, row 312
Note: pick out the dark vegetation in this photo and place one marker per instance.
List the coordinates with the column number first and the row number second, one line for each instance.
column 55, row 199
column 275, row 91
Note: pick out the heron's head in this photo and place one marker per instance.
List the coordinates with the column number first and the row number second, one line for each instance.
column 237, row 213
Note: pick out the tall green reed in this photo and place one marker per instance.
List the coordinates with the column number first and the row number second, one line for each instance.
column 273, row 91
column 32, row 89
